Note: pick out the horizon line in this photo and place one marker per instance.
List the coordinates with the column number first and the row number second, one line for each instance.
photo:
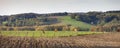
column 56, row 12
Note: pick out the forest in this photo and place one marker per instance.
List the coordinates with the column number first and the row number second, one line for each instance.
column 50, row 21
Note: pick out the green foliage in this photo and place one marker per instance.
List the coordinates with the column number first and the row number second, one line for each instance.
column 97, row 18
column 5, row 22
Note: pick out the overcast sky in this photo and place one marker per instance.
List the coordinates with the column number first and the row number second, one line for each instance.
column 8, row 7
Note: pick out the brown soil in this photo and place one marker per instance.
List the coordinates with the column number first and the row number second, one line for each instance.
column 107, row 40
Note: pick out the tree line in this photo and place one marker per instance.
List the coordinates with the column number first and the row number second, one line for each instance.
column 30, row 20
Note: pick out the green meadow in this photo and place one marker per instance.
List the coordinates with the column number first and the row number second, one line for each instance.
column 47, row 33
column 73, row 22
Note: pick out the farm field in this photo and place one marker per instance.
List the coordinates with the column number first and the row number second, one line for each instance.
column 68, row 20
column 47, row 33
column 105, row 40
column 93, row 29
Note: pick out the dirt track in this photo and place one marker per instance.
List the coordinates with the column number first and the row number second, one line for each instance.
column 107, row 40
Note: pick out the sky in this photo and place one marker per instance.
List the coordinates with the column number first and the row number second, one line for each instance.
column 8, row 7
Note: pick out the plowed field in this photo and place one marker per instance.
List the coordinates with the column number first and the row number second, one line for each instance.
column 106, row 40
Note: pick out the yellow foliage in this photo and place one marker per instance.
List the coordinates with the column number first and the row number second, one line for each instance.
column 15, row 29
column 72, row 28
column 75, row 30
column 7, row 28
column 56, row 30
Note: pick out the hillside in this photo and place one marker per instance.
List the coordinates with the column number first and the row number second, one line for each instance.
column 68, row 20
column 81, row 21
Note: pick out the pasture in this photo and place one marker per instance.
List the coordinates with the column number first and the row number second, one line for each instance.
column 47, row 33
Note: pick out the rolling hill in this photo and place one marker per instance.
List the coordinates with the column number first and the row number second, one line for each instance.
column 83, row 21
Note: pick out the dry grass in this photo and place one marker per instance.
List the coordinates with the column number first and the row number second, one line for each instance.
column 107, row 40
